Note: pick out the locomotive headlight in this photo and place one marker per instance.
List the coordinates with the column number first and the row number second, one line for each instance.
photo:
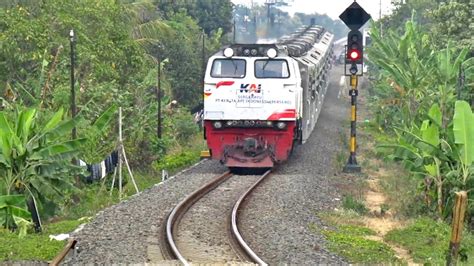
column 217, row 124
column 247, row 52
column 254, row 52
column 281, row 125
column 269, row 123
column 272, row 52
column 228, row 52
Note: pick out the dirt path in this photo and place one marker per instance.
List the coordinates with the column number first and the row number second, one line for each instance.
column 381, row 219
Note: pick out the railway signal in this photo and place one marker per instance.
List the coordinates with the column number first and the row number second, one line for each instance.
column 354, row 17
column 355, row 47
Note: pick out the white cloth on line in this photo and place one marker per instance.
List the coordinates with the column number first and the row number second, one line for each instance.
column 104, row 172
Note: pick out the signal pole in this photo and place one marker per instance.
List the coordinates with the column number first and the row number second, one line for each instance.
column 354, row 17
column 352, row 166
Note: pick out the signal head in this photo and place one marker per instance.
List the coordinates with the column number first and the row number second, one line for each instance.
column 353, row 54
column 354, row 47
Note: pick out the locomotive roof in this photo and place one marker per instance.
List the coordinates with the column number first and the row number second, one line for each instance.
column 295, row 45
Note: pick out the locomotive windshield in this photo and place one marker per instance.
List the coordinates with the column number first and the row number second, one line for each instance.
column 271, row 68
column 228, row 68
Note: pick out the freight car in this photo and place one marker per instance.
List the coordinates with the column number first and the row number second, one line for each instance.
column 260, row 100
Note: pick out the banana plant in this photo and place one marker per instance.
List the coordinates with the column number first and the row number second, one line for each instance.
column 13, row 213
column 419, row 73
column 463, row 129
column 432, row 152
column 35, row 157
column 406, row 62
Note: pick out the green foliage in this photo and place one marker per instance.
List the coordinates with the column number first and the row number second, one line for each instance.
column 463, row 130
column 117, row 45
column 449, row 23
column 87, row 201
column 350, row 242
column 430, row 152
column 428, row 241
column 95, row 197
column 350, row 203
column 210, row 14
column 74, row 207
column 406, row 65
column 444, row 20
column 13, row 213
column 35, row 157
column 421, row 83
column 97, row 133
column 35, row 247
column 177, row 161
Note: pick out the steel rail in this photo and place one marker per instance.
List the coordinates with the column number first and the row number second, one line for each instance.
column 234, row 228
column 179, row 210
column 60, row 257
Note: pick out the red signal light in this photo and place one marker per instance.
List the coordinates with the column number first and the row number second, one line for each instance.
column 353, row 54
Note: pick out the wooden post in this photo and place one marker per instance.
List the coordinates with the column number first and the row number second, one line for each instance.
column 120, row 153
column 459, row 213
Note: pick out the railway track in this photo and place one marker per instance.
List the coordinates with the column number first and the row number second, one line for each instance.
column 170, row 250
column 169, row 246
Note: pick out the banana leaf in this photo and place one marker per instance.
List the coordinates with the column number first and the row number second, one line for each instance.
column 54, row 121
column 463, row 129
column 104, row 119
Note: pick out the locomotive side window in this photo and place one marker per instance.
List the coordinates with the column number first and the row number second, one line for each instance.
column 228, row 68
column 274, row 68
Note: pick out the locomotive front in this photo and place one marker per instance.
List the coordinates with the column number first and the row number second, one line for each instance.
column 251, row 102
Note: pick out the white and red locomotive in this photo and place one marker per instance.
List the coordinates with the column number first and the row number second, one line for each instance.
column 262, row 99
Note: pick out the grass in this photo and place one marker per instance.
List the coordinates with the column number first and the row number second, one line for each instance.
column 428, row 241
column 350, row 241
column 350, row 203
column 91, row 198
column 35, row 246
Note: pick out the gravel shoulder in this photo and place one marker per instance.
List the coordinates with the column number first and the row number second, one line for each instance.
column 128, row 232
column 280, row 211
column 277, row 216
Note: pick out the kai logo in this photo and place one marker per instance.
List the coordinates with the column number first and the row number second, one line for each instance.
column 256, row 88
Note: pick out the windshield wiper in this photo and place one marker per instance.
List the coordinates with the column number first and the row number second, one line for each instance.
column 235, row 65
column 264, row 66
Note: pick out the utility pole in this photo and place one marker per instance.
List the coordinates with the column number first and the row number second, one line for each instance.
column 158, row 98
column 380, row 18
column 203, row 58
column 73, row 91
column 380, row 9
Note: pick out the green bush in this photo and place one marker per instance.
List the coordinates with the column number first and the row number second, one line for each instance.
column 173, row 162
column 428, row 241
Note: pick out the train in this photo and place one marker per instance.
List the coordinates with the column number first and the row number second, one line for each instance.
column 261, row 100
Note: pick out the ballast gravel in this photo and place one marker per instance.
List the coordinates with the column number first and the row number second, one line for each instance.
column 277, row 216
column 123, row 233
column 276, row 219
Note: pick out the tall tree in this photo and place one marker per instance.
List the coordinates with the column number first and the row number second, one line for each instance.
column 210, row 14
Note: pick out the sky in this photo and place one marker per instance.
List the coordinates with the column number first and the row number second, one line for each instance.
column 332, row 8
